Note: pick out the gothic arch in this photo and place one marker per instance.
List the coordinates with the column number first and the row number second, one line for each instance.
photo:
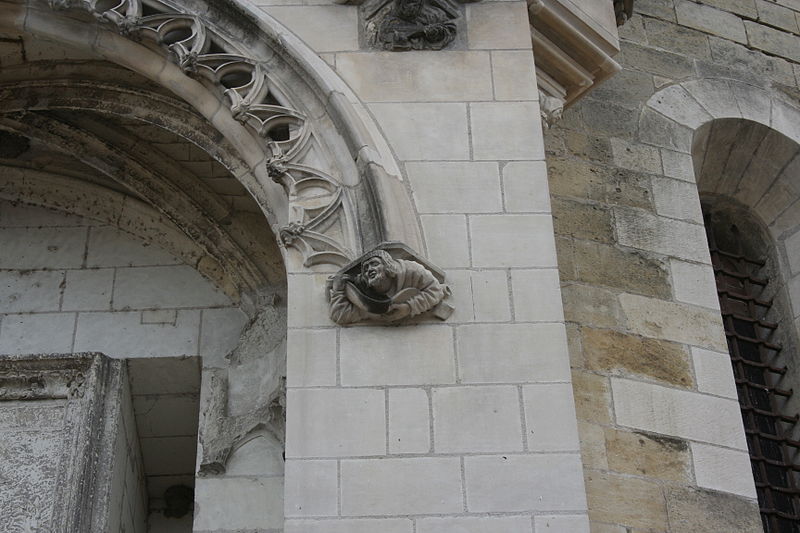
column 276, row 116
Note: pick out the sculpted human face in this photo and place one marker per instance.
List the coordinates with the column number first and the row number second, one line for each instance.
column 375, row 274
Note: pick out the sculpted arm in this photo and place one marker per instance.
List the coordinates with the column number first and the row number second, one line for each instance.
column 342, row 310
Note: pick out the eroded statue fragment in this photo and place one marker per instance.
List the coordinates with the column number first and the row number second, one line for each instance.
column 386, row 285
column 413, row 25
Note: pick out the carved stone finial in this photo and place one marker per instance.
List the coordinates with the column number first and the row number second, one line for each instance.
column 412, row 24
column 387, row 284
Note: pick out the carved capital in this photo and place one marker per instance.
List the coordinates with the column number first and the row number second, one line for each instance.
column 387, row 284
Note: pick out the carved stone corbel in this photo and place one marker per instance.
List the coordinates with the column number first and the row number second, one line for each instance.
column 387, row 284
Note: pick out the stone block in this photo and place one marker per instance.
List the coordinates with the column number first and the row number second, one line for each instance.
column 677, row 199
column 306, row 301
column 30, row 291
column 606, row 118
column 525, row 188
column 678, row 165
column 591, row 306
column 486, row 524
column 650, row 317
column 88, row 290
column 160, row 415
column 676, row 103
column 639, row 229
column 409, row 421
column 663, row 132
column 512, row 353
column 311, row 488
column 323, row 28
column 165, row 375
column 110, row 247
column 408, row 128
column 455, row 187
column 121, row 334
column 640, row 454
column 773, row 41
column 219, row 334
column 574, row 177
column 692, row 510
column 29, row 216
column 694, row 284
column 34, row 334
column 418, row 76
column 476, row 419
column 722, row 469
column 506, row 130
column 581, row 220
column 340, row 525
column 658, row 62
column 238, row 503
column 637, row 503
column 524, row 483
column 160, row 316
column 753, row 63
column 311, row 358
column 678, row 413
column 335, row 423
column 550, row 418
column 447, row 240
column 498, row 25
column 514, row 75
column 602, row 264
column 42, row 248
column 490, row 296
column 172, row 455
column 634, row 156
column 627, row 88
column 786, row 117
column 592, row 397
column 419, row 355
column 746, row 8
column 164, row 286
column 663, row 9
column 616, row 353
column 512, row 241
column 710, row 20
column 537, row 296
column 714, row 373
column 561, row 523
column 677, row 39
column 422, row 485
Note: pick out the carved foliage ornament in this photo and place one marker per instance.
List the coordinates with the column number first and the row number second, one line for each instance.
column 244, row 82
column 387, row 284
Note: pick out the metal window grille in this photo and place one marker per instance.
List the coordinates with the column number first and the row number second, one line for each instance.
column 753, row 355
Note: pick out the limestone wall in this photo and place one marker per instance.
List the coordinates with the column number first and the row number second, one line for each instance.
column 659, row 421
column 465, row 425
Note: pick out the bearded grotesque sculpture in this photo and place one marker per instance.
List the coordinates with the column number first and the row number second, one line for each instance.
column 382, row 288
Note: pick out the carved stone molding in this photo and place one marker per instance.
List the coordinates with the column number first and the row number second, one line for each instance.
column 574, row 42
column 387, row 284
column 317, row 231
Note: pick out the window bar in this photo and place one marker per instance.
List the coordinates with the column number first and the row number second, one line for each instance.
column 752, row 355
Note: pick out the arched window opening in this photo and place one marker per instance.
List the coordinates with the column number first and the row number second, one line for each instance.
column 759, row 343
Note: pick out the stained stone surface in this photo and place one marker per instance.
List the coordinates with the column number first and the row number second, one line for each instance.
column 31, row 439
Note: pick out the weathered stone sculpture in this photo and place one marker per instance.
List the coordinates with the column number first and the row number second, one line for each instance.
column 414, row 25
column 380, row 287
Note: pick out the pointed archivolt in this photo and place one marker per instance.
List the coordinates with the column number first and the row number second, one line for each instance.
column 317, row 202
column 316, row 199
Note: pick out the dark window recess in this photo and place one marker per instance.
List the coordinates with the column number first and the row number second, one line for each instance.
column 753, row 355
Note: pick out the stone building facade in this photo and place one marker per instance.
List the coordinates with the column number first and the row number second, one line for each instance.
column 306, row 267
